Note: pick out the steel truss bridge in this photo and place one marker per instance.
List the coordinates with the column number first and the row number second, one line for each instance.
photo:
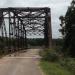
column 18, row 23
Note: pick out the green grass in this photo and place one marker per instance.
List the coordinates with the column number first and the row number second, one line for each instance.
column 53, row 68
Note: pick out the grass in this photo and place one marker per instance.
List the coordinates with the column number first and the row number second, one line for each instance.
column 54, row 62
column 54, row 68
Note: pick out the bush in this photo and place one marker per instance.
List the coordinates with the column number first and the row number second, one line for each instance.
column 50, row 55
column 68, row 63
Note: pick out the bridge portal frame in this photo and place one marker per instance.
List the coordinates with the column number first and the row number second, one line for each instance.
column 17, row 27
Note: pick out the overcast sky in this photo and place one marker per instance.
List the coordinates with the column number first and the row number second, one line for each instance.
column 58, row 8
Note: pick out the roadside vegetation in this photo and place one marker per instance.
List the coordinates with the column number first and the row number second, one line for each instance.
column 60, row 60
column 54, row 62
column 52, row 68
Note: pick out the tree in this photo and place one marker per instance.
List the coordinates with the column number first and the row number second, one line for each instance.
column 62, row 30
column 68, row 30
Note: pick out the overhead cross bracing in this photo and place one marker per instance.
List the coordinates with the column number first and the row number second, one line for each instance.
column 18, row 23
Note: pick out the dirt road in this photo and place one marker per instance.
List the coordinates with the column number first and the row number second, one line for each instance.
column 24, row 63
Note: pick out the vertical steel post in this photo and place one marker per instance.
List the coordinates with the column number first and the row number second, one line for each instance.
column 9, row 45
column 18, row 32
column 47, row 26
column 49, row 30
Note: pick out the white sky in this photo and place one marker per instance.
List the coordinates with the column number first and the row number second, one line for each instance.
column 58, row 8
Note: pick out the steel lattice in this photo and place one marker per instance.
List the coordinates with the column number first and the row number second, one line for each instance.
column 18, row 23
